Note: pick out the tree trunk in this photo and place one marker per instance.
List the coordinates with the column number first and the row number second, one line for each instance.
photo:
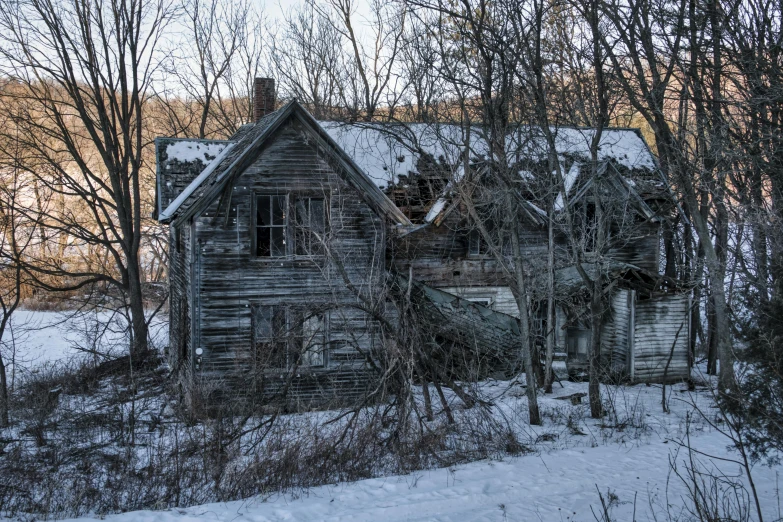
column 594, row 371
column 524, row 318
column 549, row 375
column 3, row 395
column 139, row 346
column 712, row 338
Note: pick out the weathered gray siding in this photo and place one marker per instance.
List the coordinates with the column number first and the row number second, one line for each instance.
column 661, row 338
column 642, row 251
column 230, row 279
column 614, row 340
column 179, row 299
column 439, row 255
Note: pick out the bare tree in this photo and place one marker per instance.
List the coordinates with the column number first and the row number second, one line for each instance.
column 84, row 70
column 646, row 47
column 369, row 85
column 204, row 90
column 477, row 62
column 17, row 237
column 308, row 58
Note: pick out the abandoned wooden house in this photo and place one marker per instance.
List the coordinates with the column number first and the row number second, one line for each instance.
column 288, row 240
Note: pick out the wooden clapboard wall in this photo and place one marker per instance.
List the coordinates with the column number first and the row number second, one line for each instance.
column 661, row 333
column 218, row 282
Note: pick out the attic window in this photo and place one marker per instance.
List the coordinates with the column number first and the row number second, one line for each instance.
column 271, row 215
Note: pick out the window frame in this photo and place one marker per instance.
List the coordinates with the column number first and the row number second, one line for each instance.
column 284, row 347
column 285, row 226
column 275, row 342
column 290, row 239
column 298, row 350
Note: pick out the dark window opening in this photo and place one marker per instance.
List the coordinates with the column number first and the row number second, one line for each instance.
column 271, row 215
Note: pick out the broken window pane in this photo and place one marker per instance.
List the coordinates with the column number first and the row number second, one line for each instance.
column 313, row 341
column 310, row 226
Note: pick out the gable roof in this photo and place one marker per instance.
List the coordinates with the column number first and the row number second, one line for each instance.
column 241, row 152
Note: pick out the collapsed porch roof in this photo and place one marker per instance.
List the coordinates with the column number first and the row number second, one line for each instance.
column 490, row 339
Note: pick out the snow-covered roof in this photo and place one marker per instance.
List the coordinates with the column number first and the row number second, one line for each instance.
column 186, row 151
column 625, row 146
column 195, row 184
column 233, row 158
column 386, row 151
column 179, row 162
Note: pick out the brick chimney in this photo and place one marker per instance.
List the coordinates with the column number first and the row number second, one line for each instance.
column 263, row 97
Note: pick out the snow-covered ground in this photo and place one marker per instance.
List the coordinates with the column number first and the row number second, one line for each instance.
column 558, row 481
column 36, row 338
column 559, row 486
column 626, row 456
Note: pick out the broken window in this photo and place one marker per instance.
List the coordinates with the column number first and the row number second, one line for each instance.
column 271, row 215
column 310, row 225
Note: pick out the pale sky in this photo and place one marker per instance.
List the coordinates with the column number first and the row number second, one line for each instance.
column 274, row 9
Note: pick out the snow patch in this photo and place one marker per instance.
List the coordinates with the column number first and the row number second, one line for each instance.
column 568, row 183
column 436, row 209
column 186, row 151
column 190, row 189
